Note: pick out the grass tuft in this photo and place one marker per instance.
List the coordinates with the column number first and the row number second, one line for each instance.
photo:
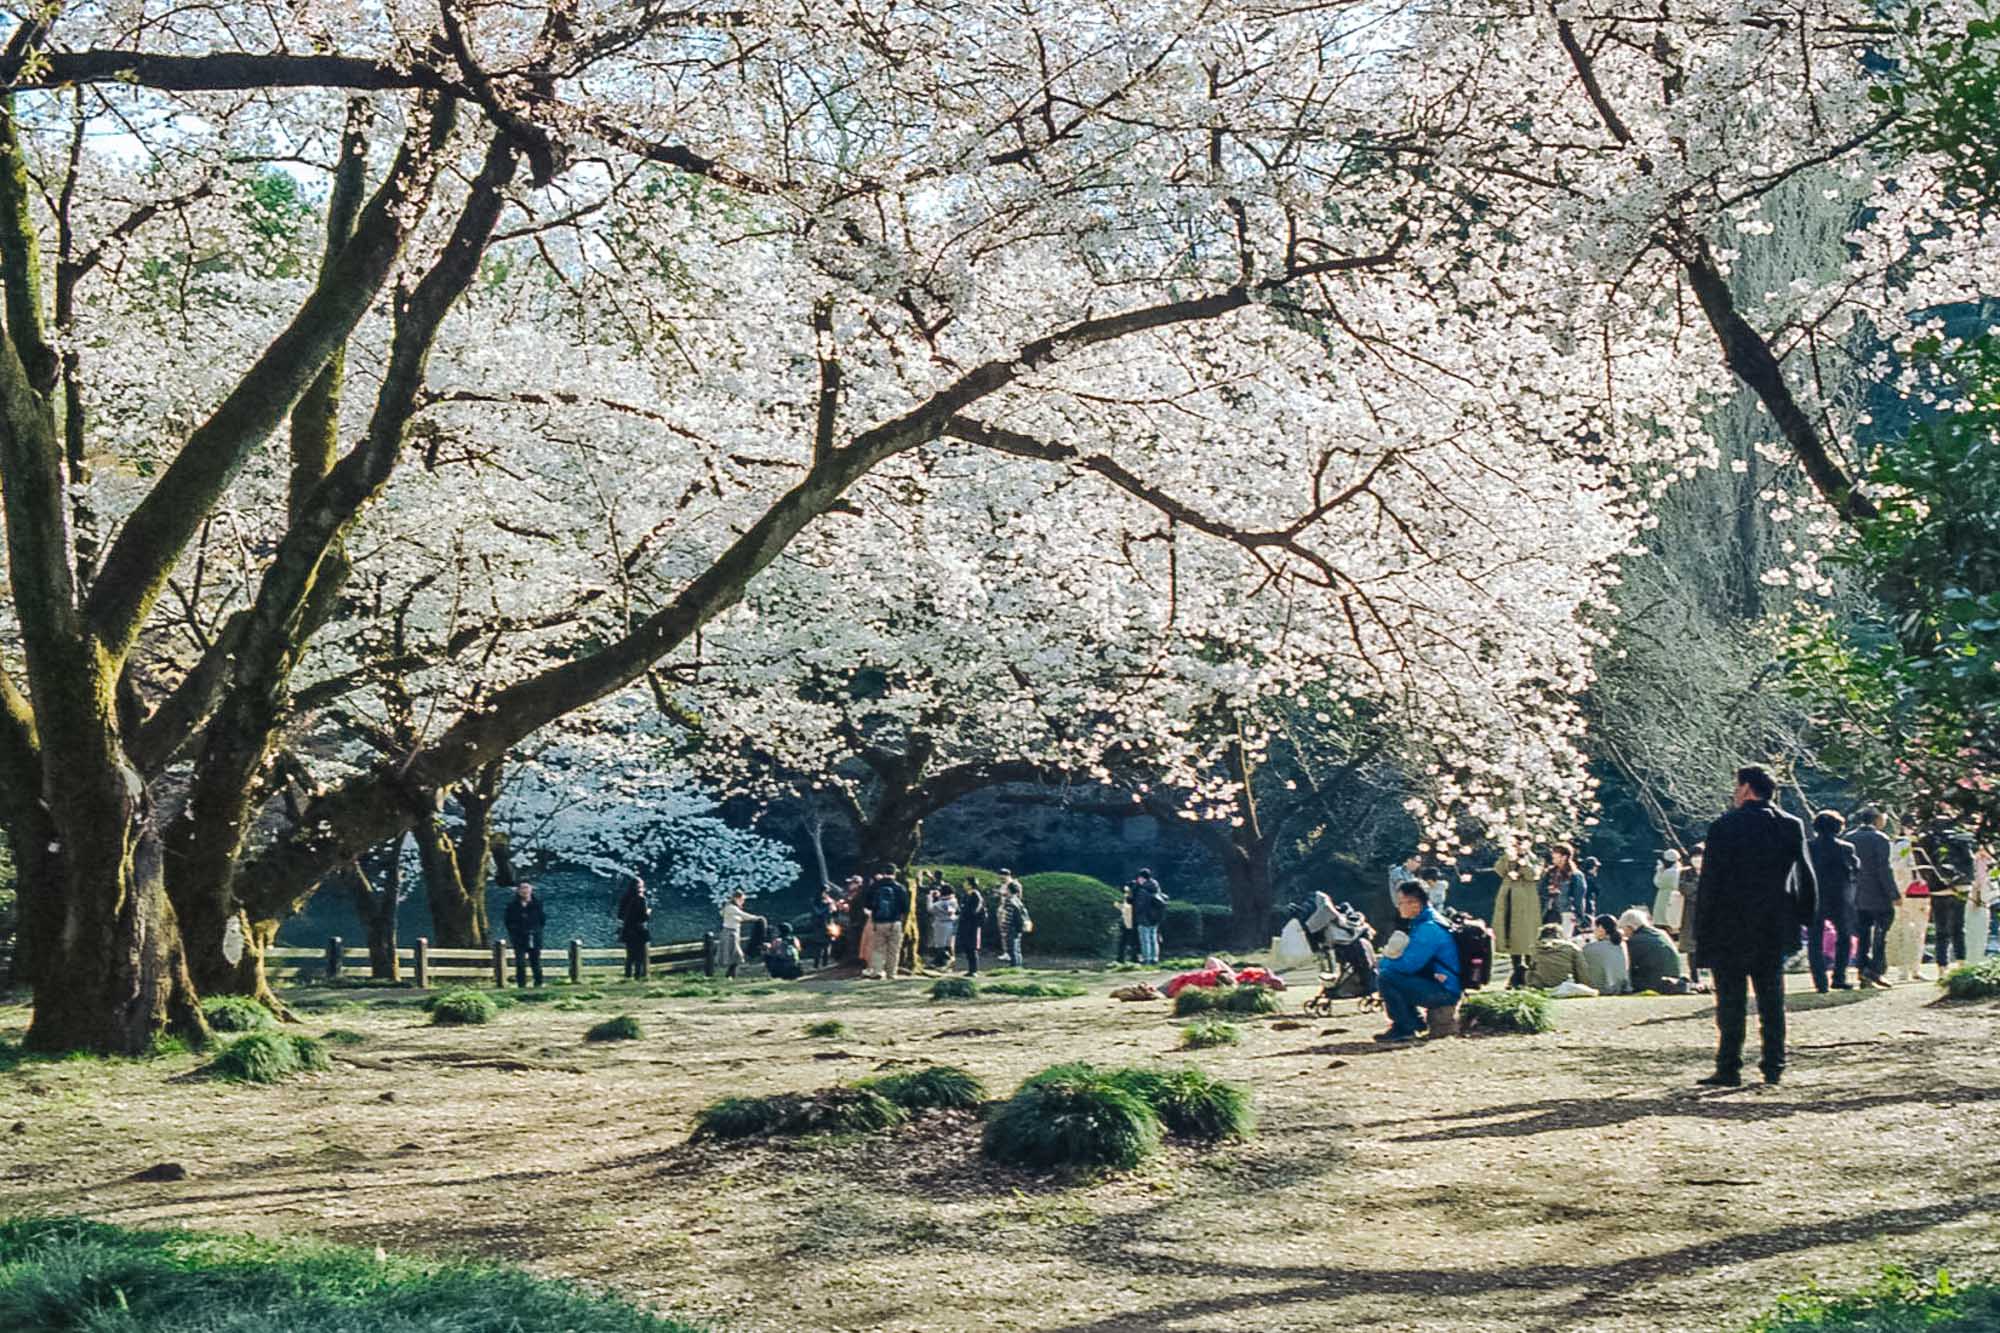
column 343, row 1036
column 955, row 988
column 829, row 1028
column 462, row 1007
column 932, row 1088
column 622, row 1028
column 1071, row 1118
column 1035, row 990
column 828, row 1111
column 1973, row 981
column 1226, row 999
column 237, row 1013
column 1507, row 1011
column 268, row 1057
column 1206, row 1032
column 67, row 1274
column 1897, row 1302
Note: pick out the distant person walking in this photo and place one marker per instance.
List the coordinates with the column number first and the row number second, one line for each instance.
column 633, row 913
column 1757, row 889
column 525, row 921
column 1836, row 863
column 1876, row 897
column 971, row 920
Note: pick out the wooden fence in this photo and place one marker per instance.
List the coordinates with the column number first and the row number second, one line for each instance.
column 421, row 963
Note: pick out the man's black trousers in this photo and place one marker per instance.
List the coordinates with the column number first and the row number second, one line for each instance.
column 1732, row 987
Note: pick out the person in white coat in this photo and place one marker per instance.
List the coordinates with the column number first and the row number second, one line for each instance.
column 1666, row 891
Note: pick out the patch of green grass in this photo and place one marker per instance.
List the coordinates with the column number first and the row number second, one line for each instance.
column 954, row 988
column 237, row 1013
column 1035, row 990
column 827, row 1028
column 1973, row 981
column 62, row 1275
column 1125, row 967
column 268, row 1057
column 1187, row 1101
column 1507, row 1010
column 622, row 1028
column 828, row 1111
column 343, row 1036
column 461, row 1007
column 1898, row 1302
column 1226, row 999
column 932, row 1088
column 1191, row 963
column 1206, row 1032
column 1071, row 1118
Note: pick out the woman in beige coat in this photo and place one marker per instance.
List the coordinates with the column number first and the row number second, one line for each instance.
column 1517, row 914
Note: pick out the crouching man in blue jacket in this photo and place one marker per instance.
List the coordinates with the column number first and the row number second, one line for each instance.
column 1425, row 973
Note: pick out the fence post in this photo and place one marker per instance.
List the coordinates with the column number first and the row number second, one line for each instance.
column 422, row 963
column 576, row 962
column 499, row 964
column 333, row 959
column 708, row 954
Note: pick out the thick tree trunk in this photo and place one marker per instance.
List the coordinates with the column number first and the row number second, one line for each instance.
column 1246, row 870
column 377, row 910
column 458, row 910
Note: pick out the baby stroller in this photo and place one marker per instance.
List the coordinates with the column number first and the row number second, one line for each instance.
column 1347, row 951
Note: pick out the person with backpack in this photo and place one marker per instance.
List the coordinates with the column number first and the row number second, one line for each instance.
column 1836, row 864
column 888, row 902
column 1425, row 975
column 971, row 918
column 633, row 913
column 1949, row 854
column 1149, row 908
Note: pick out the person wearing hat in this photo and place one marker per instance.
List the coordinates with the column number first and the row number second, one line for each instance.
column 1667, row 883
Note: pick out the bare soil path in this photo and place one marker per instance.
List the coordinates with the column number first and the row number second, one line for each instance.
column 1574, row 1180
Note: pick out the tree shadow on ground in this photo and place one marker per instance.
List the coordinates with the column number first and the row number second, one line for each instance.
column 1594, row 1283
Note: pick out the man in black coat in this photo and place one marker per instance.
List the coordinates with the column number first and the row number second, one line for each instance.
column 525, row 922
column 1835, row 862
column 1757, row 889
column 1875, row 897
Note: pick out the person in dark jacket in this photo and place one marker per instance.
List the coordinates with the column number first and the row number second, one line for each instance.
column 1757, row 889
column 525, row 920
column 1149, row 908
column 1834, row 863
column 633, row 913
column 1946, row 867
column 1875, row 897
column 971, row 917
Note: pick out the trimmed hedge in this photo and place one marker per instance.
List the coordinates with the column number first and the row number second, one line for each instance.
column 1181, row 929
column 1074, row 915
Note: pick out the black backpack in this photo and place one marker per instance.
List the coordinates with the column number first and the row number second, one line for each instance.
column 1475, row 950
column 888, row 900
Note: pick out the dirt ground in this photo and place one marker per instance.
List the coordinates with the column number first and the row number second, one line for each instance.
column 1574, row 1180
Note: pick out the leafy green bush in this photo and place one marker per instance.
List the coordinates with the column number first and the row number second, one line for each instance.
column 932, row 1088
column 1074, row 915
column 622, row 1028
column 954, row 988
column 1072, row 1118
column 1181, row 928
column 1035, row 990
column 1973, row 981
column 826, row 1027
column 1191, row 1000
column 1507, row 1010
column 1226, row 999
column 236, row 1013
column 1898, row 1302
column 267, row 1057
column 1190, row 1103
column 1206, row 1032
column 66, row 1274
column 828, row 1111
column 460, row 1006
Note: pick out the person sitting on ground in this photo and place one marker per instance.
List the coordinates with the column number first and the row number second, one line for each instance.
column 1604, row 967
column 729, row 942
column 1650, row 956
column 781, row 953
column 1425, row 974
column 1556, row 960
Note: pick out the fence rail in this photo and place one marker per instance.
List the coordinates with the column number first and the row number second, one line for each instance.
column 426, row 963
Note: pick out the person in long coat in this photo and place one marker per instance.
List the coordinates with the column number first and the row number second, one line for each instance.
column 1757, row 890
column 971, row 918
column 1517, row 914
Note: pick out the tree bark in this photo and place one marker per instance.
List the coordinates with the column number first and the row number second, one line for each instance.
column 377, row 909
column 458, row 910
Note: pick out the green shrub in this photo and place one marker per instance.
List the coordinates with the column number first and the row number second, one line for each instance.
column 1973, row 981
column 1181, row 927
column 1898, row 1302
column 826, row 1027
column 1507, row 1010
column 954, row 988
column 1226, row 999
column 1035, row 990
column 1215, row 924
column 828, row 1111
column 267, row 1057
column 1207, row 1032
column 1074, row 915
column 460, row 1006
column 236, row 1013
column 66, row 1274
column 343, row 1036
column 1072, row 1118
column 622, row 1028
column 1195, row 1106
column 932, row 1088
column 1190, row 1000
